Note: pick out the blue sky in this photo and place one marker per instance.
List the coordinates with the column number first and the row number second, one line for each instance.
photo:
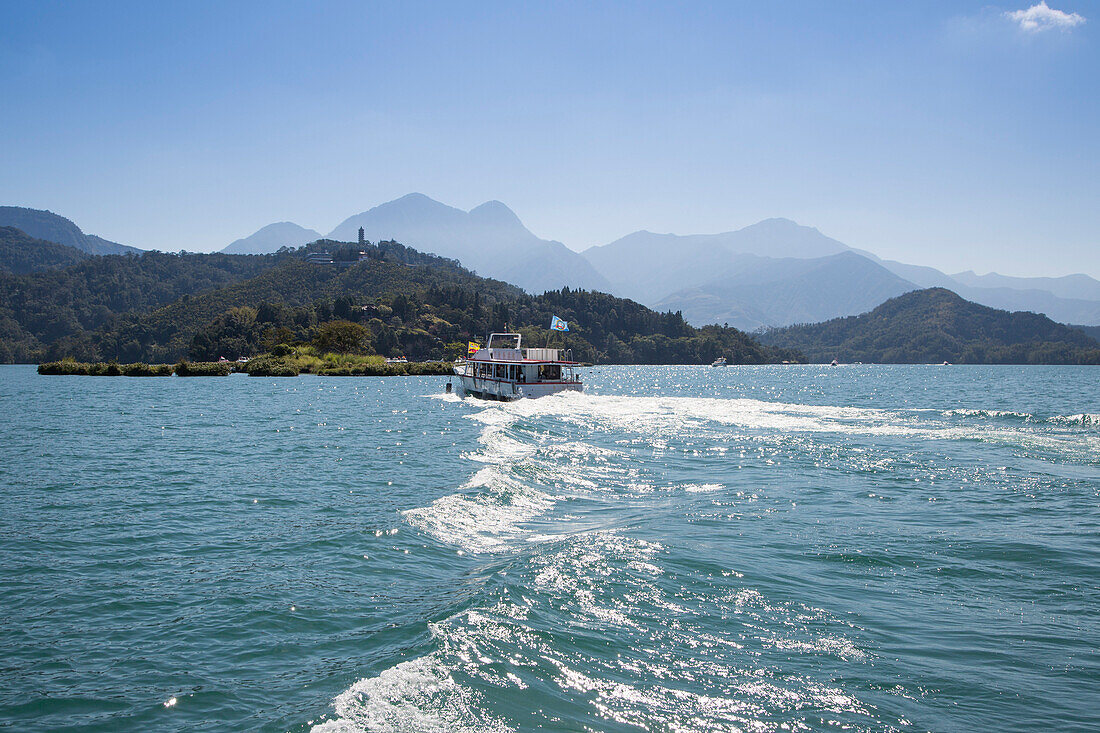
column 951, row 134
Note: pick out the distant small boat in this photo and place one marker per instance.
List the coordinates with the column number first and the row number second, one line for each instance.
column 835, row 363
column 720, row 361
column 946, row 363
column 397, row 360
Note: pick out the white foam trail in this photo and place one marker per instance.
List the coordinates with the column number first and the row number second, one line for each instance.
column 522, row 480
column 1085, row 418
column 486, row 521
column 701, row 488
column 418, row 696
column 527, row 472
column 609, row 582
column 684, row 679
column 660, row 418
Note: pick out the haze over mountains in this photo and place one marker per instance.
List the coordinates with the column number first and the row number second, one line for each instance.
column 936, row 325
column 644, row 265
column 55, row 228
column 1035, row 294
column 770, row 274
column 773, row 273
column 489, row 239
column 272, row 238
column 765, row 291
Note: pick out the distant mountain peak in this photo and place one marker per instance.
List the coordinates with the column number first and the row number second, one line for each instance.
column 490, row 239
column 415, row 200
column 778, row 221
column 778, row 225
column 271, row 238
column 495, row 212
column 493, row 207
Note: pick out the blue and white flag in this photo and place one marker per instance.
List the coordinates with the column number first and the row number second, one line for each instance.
column 557, row 324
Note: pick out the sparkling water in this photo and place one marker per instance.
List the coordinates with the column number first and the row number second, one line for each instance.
column 767, row 548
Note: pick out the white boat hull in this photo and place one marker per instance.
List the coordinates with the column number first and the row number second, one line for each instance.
column 503, row 390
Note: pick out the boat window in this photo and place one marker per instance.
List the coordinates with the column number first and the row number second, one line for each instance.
column 504, row 341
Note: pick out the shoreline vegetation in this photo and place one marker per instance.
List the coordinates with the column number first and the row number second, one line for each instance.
column 382, row 298
column 289, row 363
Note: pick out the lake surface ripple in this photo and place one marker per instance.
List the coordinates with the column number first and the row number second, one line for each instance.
column 680, row 549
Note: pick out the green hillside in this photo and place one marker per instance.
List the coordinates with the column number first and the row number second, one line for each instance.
column 21, row 254
column 44, row 311
column 936, row 325
column 160, row 308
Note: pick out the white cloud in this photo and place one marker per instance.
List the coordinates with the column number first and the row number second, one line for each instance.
column 1042, row 17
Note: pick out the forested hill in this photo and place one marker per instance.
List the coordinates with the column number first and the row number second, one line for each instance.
column 40, row 313
column 159, row 308
column 936, row 325
column 21, row 253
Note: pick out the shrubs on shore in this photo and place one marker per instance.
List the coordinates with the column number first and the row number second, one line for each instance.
column 68, row 367
column 289, row 363
column 424, row 368
column 147, row 370
column 204, row 369
column 270, row 366
column 305, row 360
column 105, row 369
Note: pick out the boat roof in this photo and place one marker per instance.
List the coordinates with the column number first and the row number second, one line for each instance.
column 524, row 361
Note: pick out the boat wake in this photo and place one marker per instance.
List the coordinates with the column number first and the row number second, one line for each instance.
column 595, row 622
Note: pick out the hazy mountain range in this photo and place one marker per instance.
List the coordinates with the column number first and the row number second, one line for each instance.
column 489, row 239
column 764, row 291
column 1060, row 298
column 773, row 273
column 648, row 266
column 272, row 238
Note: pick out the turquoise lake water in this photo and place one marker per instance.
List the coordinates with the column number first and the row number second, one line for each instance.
column 680, row 549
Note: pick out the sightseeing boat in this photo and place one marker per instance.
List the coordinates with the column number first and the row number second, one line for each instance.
column 504, row 370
